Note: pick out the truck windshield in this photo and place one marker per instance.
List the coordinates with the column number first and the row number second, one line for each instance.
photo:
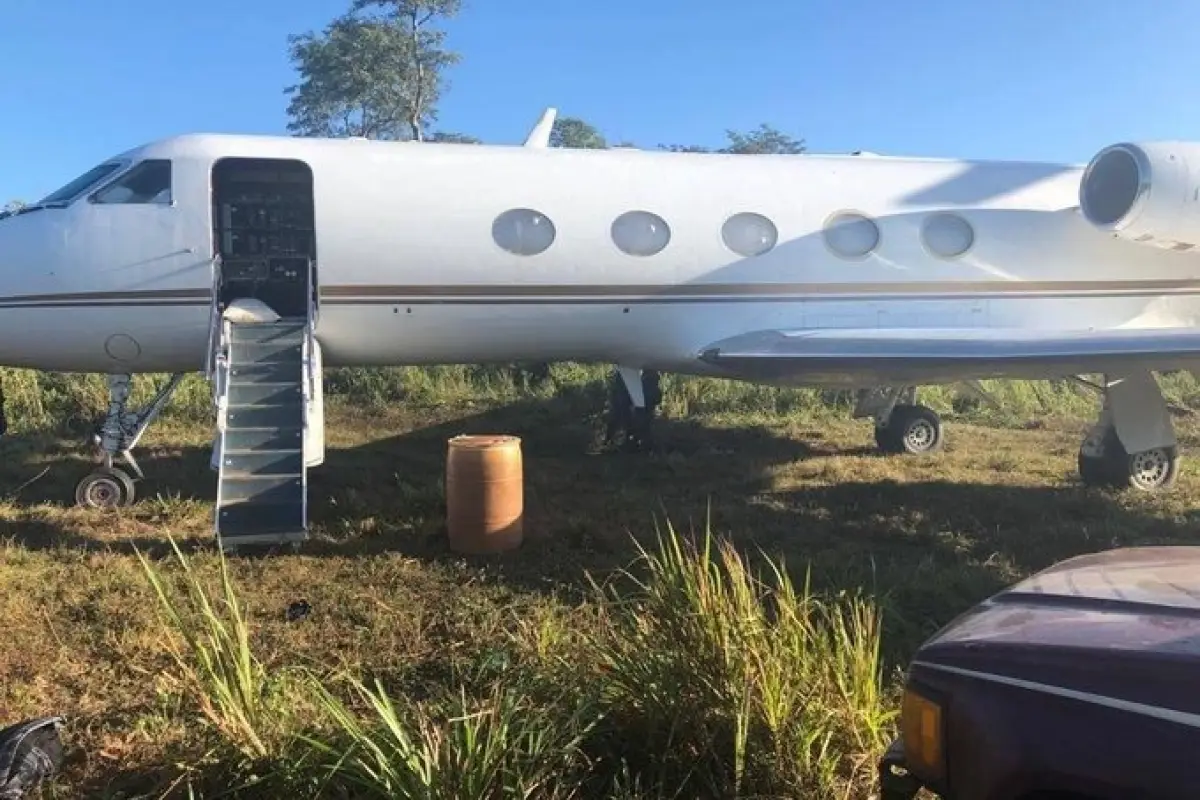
column 80, row 185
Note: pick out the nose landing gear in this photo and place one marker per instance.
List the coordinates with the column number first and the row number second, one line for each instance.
column 110, row 486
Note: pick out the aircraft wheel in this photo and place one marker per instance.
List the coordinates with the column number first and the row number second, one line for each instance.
column 639, row 438
column 1095, row 470
column 105, row 488
column 914, row 430
column 1152, row 470
column 884, row 439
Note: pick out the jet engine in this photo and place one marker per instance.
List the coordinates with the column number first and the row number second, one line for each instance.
column 1147, row 193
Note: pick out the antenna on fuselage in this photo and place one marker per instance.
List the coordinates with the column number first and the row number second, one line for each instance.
column 540, row 135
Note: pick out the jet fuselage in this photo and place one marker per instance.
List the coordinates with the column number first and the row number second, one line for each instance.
column 412, row 265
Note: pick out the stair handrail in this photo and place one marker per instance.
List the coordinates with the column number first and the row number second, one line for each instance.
column 214, row 318
column 216, row 367
column 309, row 381
column 312, row 313
column 314, row 302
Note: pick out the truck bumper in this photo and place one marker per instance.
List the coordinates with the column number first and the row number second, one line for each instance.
column 895, row 781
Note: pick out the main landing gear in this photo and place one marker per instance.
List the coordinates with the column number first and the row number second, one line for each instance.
column 633, row 399
column 901, row 424
column 110, row 486
column 1132, row 444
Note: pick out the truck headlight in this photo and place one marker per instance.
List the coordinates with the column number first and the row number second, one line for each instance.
column 924, row 737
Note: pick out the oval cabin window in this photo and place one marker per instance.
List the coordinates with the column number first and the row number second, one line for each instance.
column 947, row 235
column 851, row 235
column 523, row 231
column 749, row 234
column 640, row 233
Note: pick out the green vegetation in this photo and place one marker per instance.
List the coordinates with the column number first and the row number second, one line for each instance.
column 37, row 400
column 754, row 651
column 752, row 646
column 685, row 681
column 380, row 69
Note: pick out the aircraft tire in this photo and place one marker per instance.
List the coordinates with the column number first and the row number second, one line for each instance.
column 105, row 488
column 1152, row 470
column 1096, row 471
column 911, row 430
column 639, row 438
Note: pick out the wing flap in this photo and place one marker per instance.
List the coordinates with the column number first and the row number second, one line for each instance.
column 953, row 353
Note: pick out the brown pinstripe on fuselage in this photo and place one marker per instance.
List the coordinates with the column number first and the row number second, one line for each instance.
column 641, row 293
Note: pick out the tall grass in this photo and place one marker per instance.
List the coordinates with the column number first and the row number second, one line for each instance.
column 702, row 677
column 209, row 640
column 503, row 745
column 739, row 684
column 41, row 401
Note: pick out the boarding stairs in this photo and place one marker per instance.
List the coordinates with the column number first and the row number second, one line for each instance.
column 267, row 388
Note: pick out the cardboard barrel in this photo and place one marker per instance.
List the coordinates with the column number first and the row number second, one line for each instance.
column 485, row 494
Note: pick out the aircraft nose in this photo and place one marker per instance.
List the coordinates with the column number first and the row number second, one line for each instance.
column 9, row 245
column 11, row 255
column 29, row 254
column 27, row 249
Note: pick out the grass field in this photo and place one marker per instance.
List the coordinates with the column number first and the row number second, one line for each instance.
column 569, row 668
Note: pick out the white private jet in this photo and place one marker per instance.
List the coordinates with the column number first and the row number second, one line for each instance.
column 260, row 259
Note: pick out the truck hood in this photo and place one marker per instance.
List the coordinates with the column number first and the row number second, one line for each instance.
column 1141, row 598
column 1119, row 627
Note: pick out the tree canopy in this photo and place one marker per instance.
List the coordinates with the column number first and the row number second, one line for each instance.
column 377, row 71
column 380, row 71
column 574, row 132
column 763, row 139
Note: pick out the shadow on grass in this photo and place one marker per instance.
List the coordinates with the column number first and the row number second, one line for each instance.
column 930, row 549
column 927, row 548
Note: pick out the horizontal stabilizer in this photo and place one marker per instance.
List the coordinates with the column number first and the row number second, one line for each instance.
column 952, row 353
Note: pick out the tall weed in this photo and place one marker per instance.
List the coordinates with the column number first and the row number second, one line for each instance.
column 503, row 746
column 744, row 686
column 217, row 665
column 709, row 678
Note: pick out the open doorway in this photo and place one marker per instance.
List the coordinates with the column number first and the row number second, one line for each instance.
column 264, row 231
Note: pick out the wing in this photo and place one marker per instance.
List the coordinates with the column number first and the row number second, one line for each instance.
column 932, row 355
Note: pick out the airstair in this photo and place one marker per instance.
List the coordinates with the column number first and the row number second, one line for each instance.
column 264, row 360
column 267, row 388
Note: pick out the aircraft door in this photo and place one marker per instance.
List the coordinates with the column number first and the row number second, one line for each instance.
column 264, row 231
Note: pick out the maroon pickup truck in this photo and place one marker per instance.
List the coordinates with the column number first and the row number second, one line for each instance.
column 1081, row 682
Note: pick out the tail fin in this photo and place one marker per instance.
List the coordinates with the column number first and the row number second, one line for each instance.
column 540, row 135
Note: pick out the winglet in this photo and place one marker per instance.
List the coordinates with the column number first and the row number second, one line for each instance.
column 540, row 135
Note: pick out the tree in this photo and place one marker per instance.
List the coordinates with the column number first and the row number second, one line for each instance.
column 378, row 75
column 685, row 148
column 574, row 132
column 12, row 207
column 763, row 139
column 453, row 138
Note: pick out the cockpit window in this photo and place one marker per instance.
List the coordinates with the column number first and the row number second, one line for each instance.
column 148, row 182
column 80, row 185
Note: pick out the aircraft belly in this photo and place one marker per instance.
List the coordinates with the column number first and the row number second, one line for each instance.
column 446, row 333
column 671, row 335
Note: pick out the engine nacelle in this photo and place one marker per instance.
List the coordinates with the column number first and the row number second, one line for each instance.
column 1148, row 193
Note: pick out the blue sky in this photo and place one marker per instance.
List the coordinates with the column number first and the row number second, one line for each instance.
column 1039, row 79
